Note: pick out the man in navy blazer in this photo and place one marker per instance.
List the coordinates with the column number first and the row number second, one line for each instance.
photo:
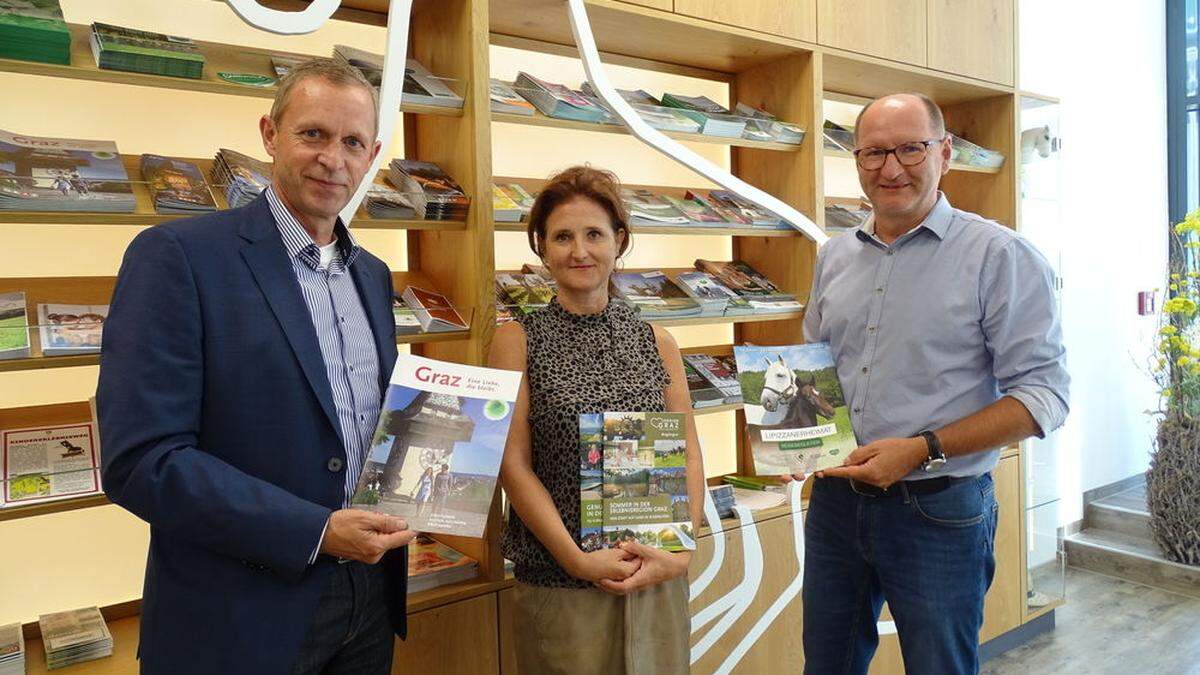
column 242, row 371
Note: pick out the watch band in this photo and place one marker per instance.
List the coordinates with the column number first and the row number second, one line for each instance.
column 937, row 457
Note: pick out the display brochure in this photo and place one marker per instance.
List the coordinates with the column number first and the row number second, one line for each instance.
column 714, row 118
column 750, row 285
column 405, row 318
column 437, row 448
column 74, row 636
column 12, row 649
column 715, row 298
column 746, row 210
column 526, row 293
column 646, row 208
column 242, row 177
column 177, row 186
column 653, row 294
column 433, row 310
column 62, row 174
column 702, row 392
column 559, row 101
column 420, row 86
column 504, row 209
column 70, row 329
column 432, row 563
column 14, row 326
column 139, row 51
column 34, row 30
column 505, row 99
column 633, row 480
column 385, row 201
column 719, row 374
column 796, row 416
column 49, row 463
column 433, row 193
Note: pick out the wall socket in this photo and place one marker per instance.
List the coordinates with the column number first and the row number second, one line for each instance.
column 1147, row 302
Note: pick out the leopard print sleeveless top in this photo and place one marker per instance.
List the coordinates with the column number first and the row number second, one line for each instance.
column 577, row 364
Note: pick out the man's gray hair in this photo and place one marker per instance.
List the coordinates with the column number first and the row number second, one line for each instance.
column 333, row 71
column 937, row 122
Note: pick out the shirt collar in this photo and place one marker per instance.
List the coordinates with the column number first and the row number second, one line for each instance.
column 299, row 243
column 938, row 221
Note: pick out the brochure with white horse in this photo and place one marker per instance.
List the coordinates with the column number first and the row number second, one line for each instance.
column 796, row 415
column 436, row 451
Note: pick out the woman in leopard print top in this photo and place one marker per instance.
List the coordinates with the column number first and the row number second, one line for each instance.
column 615, row 610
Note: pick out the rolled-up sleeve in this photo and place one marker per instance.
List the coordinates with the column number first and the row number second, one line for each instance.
column 1023, row 332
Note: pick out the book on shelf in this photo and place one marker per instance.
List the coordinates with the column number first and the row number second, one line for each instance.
column 697, row 211
column 433, row 193
column 504, row 209
column 434, row 311
column 70, row 329
column 648, row 209
column 62, row 175
column 505, row 99
column 838, row 137
column 714, row 118
column 49, row 463
column 701, row 391
column 177, row 186
column 525, row 293
column 721, row 374
column 34, row 30
column 420, row 86
column 733, row 205
column 140, row 51
column 404, row 317
column 383, row 200
column 432, row 563
column 12, row 649
column 653, row 294
column 633, row 480
column 715, row 298
column 796, row 415
column 764, row 122
column 558, row 101
column 521, row 196
column 242, row 177
column 436, row 451
column 14, row 326
column 74, row 636
column 750, row 285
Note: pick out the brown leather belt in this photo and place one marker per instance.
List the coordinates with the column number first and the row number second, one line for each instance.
column 927, row 486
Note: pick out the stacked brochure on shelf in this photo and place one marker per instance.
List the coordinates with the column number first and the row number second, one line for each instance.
column 139, row 51
column 404, row 317
column 524, row 293
column 633, row 481
column 385, row 201
column 762, row 123
column 420, row 86
column 432, row 563
column 436, row 451
column 722, row 497
column 74, row 636
column 504, row 208
column 505, row 99
column 62, row 174
column 732, row 205
column 70, row 329
column 648, row 209
column 701, row 391
column 840, row 218
column 838, row 137
column 720, row 372
column 714, row 118
column 14, row 326
column 652, row 111
column 12, row 650
column 433, row 193
column 242, row 177
column 177, row 186
column 519, row 196
column 796, row 415
column 433, row 311
column 654, row 295
column 556, row 100
column 34, row 30
column 715, row 298
column 750, row 285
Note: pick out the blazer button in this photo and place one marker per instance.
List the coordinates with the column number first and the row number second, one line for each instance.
column 335, row 464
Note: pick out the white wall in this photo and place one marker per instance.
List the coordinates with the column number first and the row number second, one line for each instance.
column 1109, row 69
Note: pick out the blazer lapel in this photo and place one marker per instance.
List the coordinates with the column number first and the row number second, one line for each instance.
column 379, row 314
column 268, row 262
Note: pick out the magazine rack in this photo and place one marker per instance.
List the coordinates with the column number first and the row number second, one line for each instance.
column 782, row 56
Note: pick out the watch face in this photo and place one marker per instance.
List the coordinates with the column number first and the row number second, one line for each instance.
column 935, row 464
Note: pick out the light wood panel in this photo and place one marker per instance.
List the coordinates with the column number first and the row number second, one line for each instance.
column 991, row 123
column 794, row 19
column 889, row 29
column 975, row 38
column 1005, row 602
column 455, row 638
column 507, row 636
column 654, row 4
column 870, row 77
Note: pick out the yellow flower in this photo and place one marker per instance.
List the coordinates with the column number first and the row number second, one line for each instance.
column 1183, row 361
column 1168, row 330
column 1174, row 287
column 1179, row 305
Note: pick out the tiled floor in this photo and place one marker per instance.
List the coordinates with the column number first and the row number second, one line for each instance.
column 1112, row 626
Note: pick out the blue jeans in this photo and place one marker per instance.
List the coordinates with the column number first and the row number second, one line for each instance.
column 351, row 634
column 929, row 556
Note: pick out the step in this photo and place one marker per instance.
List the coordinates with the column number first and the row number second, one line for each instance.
column 1130, row 521
column 1133, row 558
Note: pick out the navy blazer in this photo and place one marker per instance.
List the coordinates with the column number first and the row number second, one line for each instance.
column 218, row 428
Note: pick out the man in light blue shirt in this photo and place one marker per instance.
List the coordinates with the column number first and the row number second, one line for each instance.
column 948, row 346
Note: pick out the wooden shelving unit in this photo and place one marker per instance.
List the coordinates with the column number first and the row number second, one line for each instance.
column 778, row 69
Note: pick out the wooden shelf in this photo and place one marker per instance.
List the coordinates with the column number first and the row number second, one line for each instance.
column 719, row 320
column 217, row 58
column 43, row 508
column 145, row 215
column 710, row 410
column 954, row 166
column 868, row 77
column 540, row 120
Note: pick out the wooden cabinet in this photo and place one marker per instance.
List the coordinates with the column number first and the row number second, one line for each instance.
column 1002, row 609
column 889, row 29
column 973, row 38
column 655, row 4
column 508, row 648
column 457, row 638
column 788, row 18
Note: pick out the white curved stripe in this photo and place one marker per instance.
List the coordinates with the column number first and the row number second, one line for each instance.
column 594, row 69
column 394, row 58
column 717, row 535
column 715, row 608
column 743, row 595
column 283, row 22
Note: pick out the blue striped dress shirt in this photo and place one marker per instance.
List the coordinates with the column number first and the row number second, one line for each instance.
column 343, row 332
column 954, row 314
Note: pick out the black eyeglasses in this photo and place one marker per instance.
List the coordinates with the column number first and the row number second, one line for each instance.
column 908, row 154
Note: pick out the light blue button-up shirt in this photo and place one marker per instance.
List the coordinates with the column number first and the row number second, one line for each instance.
column 955, row 314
